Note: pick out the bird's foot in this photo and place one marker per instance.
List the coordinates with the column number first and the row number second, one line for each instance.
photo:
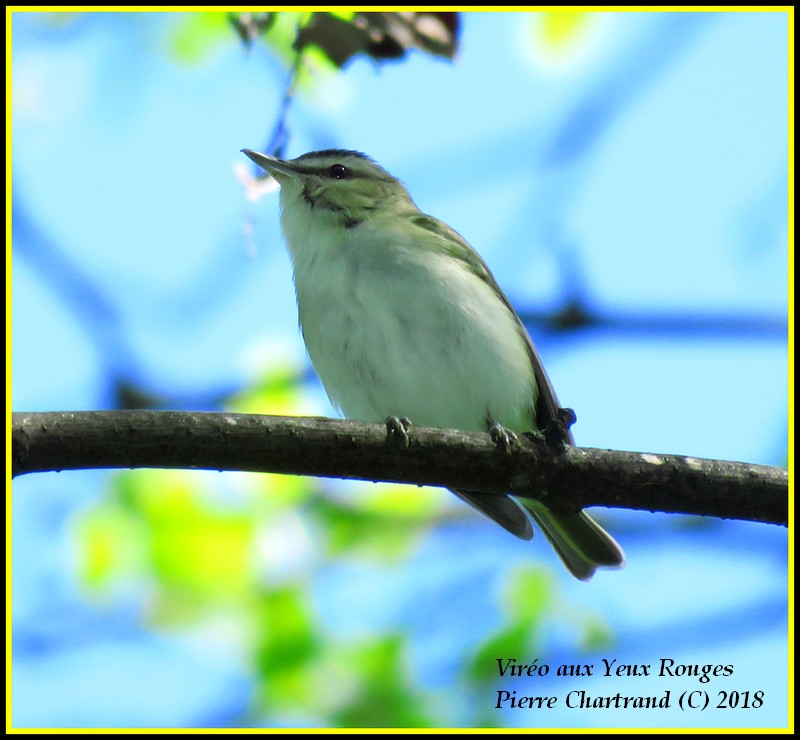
column 505, row 439
column 556, row 433
column 397, row 431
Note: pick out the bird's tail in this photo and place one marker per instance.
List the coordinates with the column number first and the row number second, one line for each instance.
column 504, row 510
column 581, row 543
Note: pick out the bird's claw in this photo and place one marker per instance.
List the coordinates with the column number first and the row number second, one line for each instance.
column 505, row 439
column 397, row 430
column 556, row 433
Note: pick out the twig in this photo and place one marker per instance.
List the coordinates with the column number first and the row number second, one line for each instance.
column 569, row 478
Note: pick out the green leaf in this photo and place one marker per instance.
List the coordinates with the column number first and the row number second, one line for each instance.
column 528, row 599
column 511, row 641
column 530, row 592
column 597, row 634
column 385, row 696
column 109, row 544
column 350, row 529
column 288, row 636
column 198, row 35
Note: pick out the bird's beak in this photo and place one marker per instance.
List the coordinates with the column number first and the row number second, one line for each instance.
column 279, row 169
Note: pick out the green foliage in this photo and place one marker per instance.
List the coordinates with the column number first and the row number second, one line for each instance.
column 249, row 551
column 386, row 697
column 327, row 40
column 359, row 683
column 528, row 600
column 366, row 530
column 287, row 648
column 197, row 36
column 597, row 635
column 161, row 528
column 531, row 605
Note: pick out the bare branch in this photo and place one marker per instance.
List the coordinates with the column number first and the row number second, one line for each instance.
column 569, row 478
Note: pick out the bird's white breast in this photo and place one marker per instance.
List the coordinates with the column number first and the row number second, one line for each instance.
column 393, row 330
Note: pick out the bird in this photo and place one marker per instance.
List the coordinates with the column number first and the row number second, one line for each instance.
column 403, row 320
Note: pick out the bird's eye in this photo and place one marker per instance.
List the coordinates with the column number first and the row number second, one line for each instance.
column 338, row 172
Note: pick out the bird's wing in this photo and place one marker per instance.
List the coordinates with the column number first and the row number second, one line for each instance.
column 451, row 242
column 580, row 542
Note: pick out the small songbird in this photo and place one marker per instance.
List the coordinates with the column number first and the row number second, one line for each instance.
column 402, row 318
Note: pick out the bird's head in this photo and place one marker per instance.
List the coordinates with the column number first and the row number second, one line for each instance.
column 343, row 186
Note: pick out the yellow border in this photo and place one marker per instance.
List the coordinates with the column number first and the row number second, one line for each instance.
column 788, row 9
column 480, row 9
column 8, row 372
column 790, row 456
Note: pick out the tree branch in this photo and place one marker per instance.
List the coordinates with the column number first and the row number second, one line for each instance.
column 568, row 478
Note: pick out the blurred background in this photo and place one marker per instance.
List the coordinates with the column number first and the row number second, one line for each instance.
column 625, row 177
